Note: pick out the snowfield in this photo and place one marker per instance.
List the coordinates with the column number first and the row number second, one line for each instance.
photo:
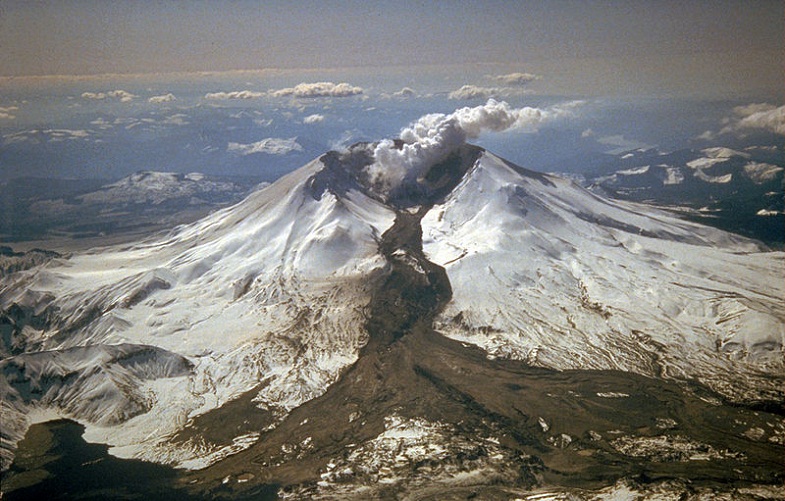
column 271, row 296
column 547, row 272
column 272, row 289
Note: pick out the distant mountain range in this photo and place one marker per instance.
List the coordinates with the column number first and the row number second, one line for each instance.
column 38, row 208
column 739, row 191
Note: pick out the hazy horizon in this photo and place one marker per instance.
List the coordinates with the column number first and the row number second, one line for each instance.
column 704, row 48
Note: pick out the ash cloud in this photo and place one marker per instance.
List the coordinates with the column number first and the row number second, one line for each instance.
column 432, row 137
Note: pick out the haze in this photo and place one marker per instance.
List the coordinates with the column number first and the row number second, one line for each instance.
column 707, row 48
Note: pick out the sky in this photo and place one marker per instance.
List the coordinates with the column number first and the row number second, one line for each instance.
column 687, row 48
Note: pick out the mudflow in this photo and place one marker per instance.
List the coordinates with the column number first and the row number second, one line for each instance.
column 484, row 427
column 421, row 416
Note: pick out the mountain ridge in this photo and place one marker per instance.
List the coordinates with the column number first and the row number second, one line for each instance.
column 324, row 281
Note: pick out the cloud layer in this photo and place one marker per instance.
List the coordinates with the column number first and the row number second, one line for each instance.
column 434, row 136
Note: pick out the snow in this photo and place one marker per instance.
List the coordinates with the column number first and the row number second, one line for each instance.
column 273, row 289
column 544, row 271
column 414, row 451
column 673, row 176
column 270, row 146
column 271, row 296
column 761, row 172
column 724, row 179
column 722, row 152
column 634, row 171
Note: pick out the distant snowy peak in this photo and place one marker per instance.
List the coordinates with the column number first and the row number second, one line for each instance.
column 273, row 289
column 151, row 187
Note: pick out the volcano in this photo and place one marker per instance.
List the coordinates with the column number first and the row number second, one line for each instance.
column 475, row 329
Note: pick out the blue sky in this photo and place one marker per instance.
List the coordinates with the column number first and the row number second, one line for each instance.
column 707, row 48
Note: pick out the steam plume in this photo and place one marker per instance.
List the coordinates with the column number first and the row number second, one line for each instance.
column 434, row 136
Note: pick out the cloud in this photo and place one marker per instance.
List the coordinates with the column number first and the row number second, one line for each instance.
column 343, row 142
column 751, row 109
column 312, row 119
column 319, row 89
column 270, row 146
column 122, row 95
column 237, row 94
column 166, row 98
column 434, row 136
column 176, row 119
column 406, row 92
column 516, row 78
column 6, row 112
column 759, row 116
column 468, row 92
column 475, row 92
column 587, row 133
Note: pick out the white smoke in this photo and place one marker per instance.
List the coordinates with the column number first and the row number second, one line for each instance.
column 432, row 137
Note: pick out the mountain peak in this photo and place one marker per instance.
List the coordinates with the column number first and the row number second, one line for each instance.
column 354, row 169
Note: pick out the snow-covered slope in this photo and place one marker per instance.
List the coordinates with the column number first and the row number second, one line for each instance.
column 155, row 188
column 268, row 295
column 271, row 298
column 545, row 271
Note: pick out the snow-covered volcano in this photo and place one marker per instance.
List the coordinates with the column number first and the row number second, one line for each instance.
column 268, row 294
column 273, row 299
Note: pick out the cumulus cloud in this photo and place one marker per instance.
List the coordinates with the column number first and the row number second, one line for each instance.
column 468, row 92
column 475, row 92
column 166, row 98
column 122, row 95
column 759, row 117
column 406, row 92
column 319, row 89
column 312, row 119
column 270, row 146
column 516, row 78
column 237, row 94
column 7, row 112
column 434, row 136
